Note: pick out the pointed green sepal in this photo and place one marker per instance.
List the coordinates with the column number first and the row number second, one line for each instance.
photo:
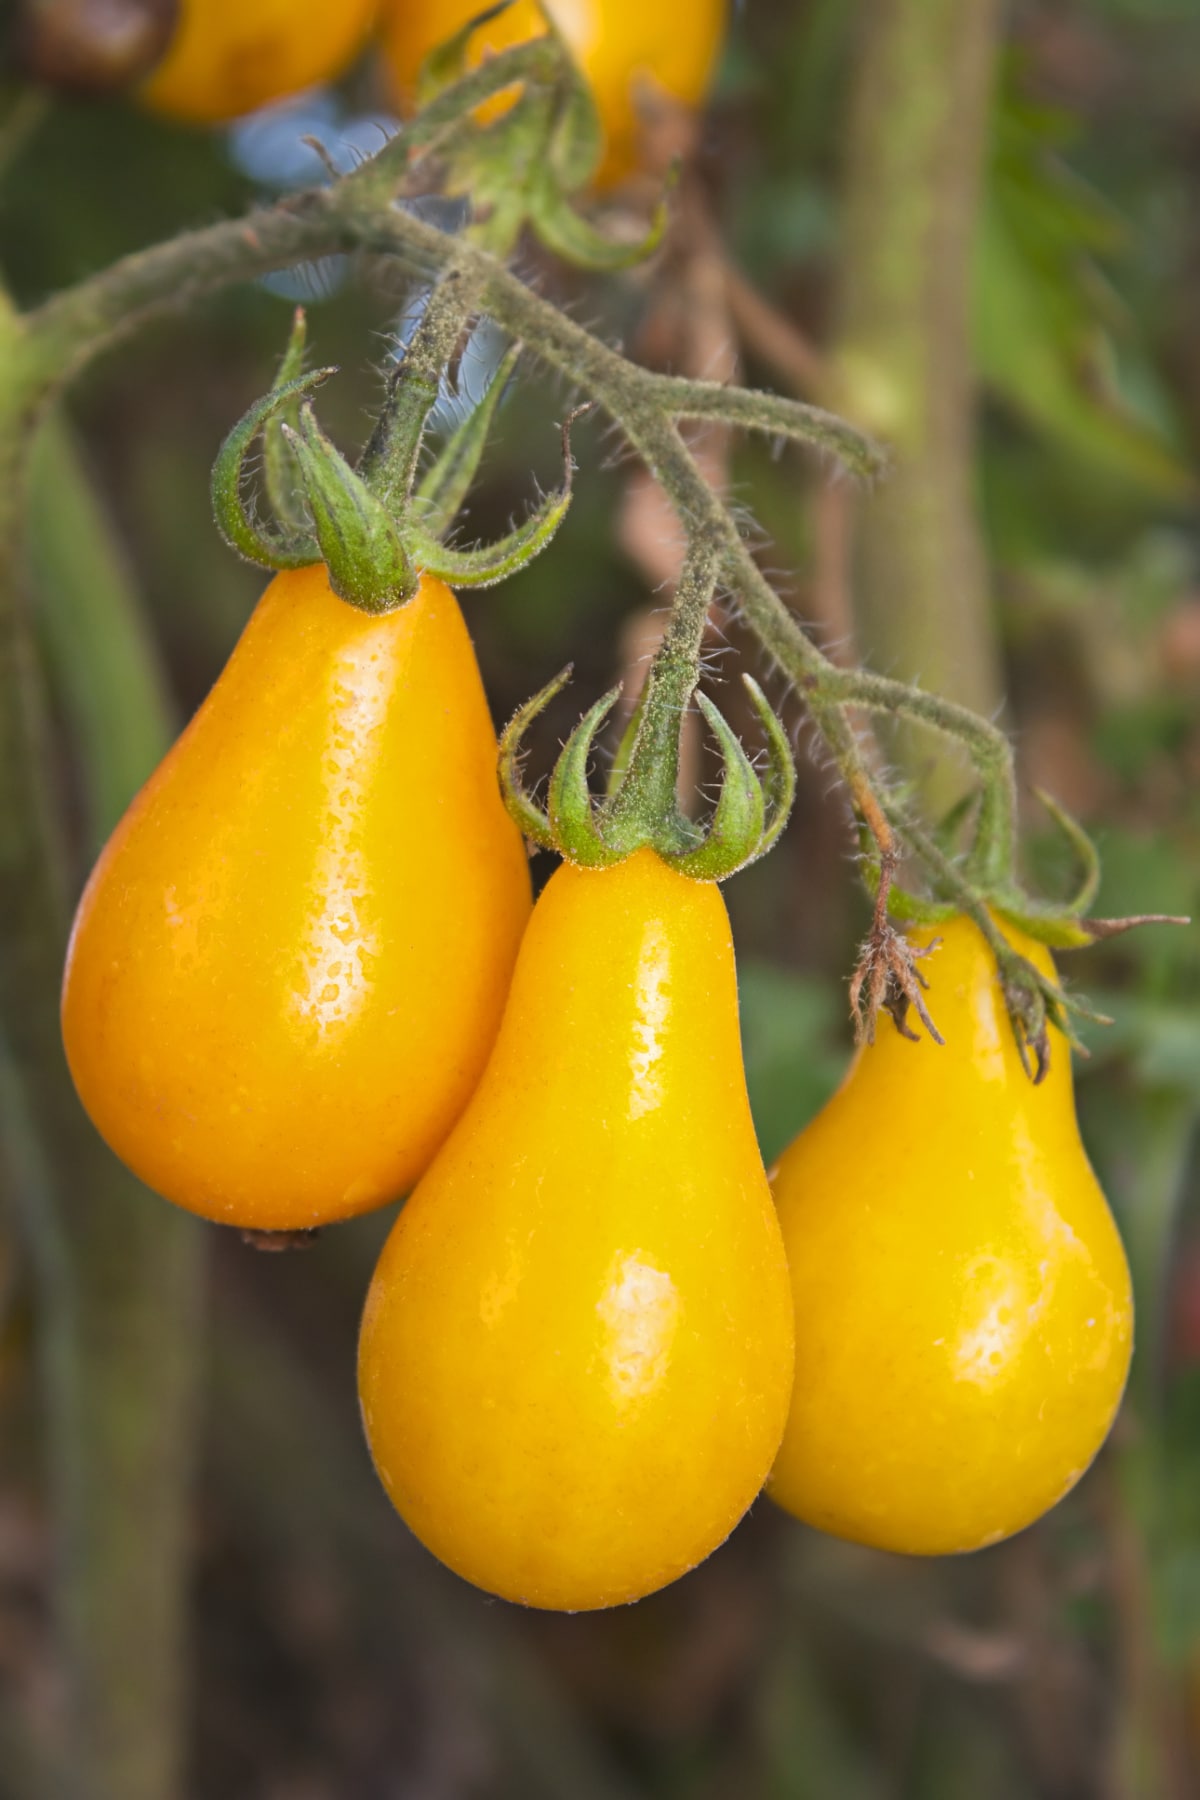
column 447, row 126
column 446, row 483
column 577, row 143
column 490, row 563
column 360, row 543
column 523, row 810
column 494, row 562
column 281, row 476
column 1085, row 852
column 735, row 832
column 1034, row 1002
column 1058, row 931
column 779, row 780
column 447, row 63
column 910, row 908
column 566, row 233
column 620, row 765
column 256, row 542
column 572, row 814
column 1062, row 926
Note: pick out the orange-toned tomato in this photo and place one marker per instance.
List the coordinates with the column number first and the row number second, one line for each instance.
column 576, row 1353
column 963, row 1309
column 290, row 962
column 229, row 57
column 620, row 44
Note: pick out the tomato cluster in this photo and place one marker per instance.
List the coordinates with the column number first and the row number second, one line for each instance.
column 304, row 978
column 228, row 57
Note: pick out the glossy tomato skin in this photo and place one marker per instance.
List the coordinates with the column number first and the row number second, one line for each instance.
column 964, row 1316
column 290, row 962
column 618, row 43
column 576, row 1353
column 229, row 57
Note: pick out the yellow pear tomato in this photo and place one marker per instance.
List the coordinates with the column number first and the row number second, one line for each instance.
column 963, row 1308
column 619, row 44
column 290, row 962
column 229, row 57
column 576, row 1353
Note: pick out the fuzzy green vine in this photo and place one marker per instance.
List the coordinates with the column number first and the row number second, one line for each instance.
column 378, row 524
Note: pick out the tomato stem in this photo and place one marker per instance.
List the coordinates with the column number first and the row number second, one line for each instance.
column 390, row 461
column 359, row 213
column 645, row 805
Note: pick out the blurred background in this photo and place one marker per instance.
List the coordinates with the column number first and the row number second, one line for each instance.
column 977, row 232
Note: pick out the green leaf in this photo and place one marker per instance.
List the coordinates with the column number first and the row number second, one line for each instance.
column 281, row 472
column 1044, row 319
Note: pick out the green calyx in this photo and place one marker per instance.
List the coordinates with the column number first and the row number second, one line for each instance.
column 985, row 876
column 640, row 808
column 987, row 890
column 381, row 525
column 378, row 527
column 1064, row 924
column 286, row 540
column 362, row 545
column 524, row 168
column 447, row 62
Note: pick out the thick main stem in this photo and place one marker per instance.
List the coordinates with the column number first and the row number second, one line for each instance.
column 642, row 404
column 987, row 747
column 918, row 133
column 353, row 213
column 647, row 794
column 390, row 460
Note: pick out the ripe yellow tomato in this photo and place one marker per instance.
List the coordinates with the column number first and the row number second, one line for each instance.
column 576, row 1353
column 228, row 57
column 963, row 1308
column 620, row 44
column 290, row 962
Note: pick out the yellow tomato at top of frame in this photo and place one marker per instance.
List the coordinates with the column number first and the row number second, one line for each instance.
column 620, row 45
column 964, row 1319
column 229, row 57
